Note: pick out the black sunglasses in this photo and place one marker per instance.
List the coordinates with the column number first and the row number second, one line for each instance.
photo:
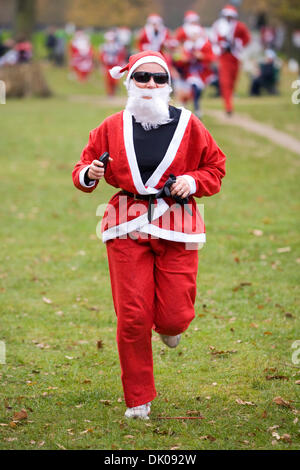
column 145, row 77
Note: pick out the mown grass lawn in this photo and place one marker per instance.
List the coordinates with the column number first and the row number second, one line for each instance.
column 56, row 303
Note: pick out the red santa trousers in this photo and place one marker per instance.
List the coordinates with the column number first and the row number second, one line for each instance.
column 228, row 74
column 154, row 287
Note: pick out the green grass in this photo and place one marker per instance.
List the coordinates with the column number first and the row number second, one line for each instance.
column 71, row 389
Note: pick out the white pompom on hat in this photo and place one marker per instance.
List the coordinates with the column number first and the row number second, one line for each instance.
column 136, row 60
column 229, row 10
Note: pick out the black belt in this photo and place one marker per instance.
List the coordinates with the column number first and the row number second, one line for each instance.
column 163, row 192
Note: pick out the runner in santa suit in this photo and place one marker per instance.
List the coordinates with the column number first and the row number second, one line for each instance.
column 112, row 53
column 154, row 36
column 160, row 158
column 193, row 60
column 81, row 55
column 200, row 72
column 229, row 37
column 191, row 27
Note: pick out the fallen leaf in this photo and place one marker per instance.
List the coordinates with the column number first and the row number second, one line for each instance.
column 99, row 344
column 208, row 437
column 284, row 249
column 271, row 428
column 19, row 415
column 289, row 315
column 286, row 438
column 86, row 431
column 257, row 232
column 281, row 402
column 241, row 402
column 61, row 447
column 105, row 402
column 276, row 377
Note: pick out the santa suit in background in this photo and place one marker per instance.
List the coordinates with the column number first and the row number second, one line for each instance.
column 194, row 58
column 153, row 274
column 81, row 55
column 112, row 53
column 199, row 72
column 229, row 37
column 154, row 36
column 191, row 27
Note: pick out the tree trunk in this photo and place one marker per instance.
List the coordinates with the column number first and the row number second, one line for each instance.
column 25, row 18
column 23, row 80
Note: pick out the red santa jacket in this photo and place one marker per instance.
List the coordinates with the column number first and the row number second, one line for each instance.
column 233, row 36
column 192, row 153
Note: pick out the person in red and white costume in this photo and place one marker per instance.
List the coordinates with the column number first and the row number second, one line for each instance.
column 111, row 53
column 191, row 27
column 161, row 157
column 229, row 37
column 155, row 36
column 81, row 55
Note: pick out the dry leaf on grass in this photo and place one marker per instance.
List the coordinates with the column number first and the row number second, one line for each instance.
column 19, row 415
column 241, row 402
column 276, row 377
column 281, row 402
column 208, row 437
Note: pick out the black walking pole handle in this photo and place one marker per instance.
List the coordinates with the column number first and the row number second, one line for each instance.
column 104, row 159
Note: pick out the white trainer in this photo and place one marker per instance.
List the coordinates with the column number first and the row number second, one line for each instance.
column 141, row 411
column 170, row 341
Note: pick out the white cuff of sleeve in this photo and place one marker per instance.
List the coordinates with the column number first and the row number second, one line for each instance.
column 81, row 178
column 192, row 183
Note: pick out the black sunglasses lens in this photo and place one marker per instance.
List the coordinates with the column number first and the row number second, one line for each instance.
column 160, row 78
column 144, row 77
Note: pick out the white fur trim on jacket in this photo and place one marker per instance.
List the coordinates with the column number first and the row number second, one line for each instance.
column 81, row 178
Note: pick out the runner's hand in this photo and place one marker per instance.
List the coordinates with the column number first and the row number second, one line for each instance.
column 96, row 170
column 181, row 188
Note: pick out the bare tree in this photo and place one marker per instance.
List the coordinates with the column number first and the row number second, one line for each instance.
column 25, row 18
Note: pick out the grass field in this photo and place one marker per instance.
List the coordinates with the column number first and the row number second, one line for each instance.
column 56, row 304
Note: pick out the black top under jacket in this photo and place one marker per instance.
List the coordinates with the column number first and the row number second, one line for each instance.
column 151, row 146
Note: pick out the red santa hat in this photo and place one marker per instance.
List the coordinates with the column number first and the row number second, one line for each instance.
column 191, row 16
column 229, row 10
column 136, row 60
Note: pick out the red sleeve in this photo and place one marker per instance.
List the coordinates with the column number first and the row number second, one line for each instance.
column 208, row 55
column 211, row 161
column 244, row 34
column 142, row 40
column 96, row 145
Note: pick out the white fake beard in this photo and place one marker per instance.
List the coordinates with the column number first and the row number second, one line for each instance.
column 150, row 113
